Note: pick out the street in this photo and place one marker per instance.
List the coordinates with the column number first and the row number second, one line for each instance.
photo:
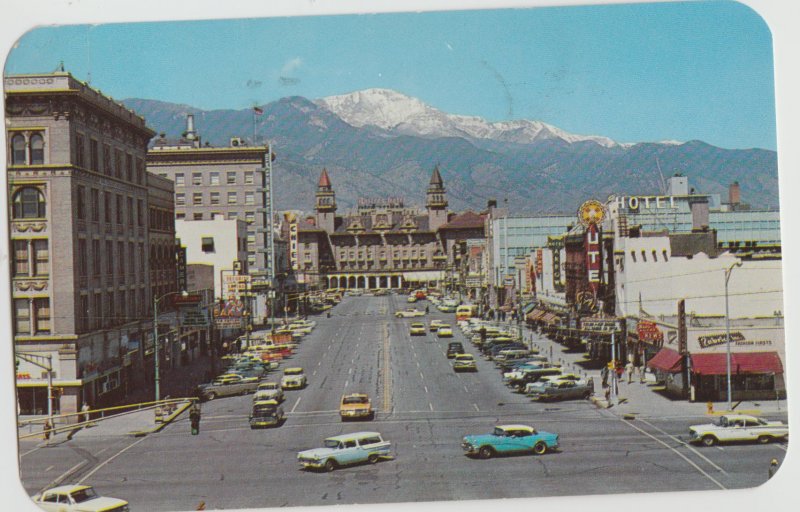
column 423, row 408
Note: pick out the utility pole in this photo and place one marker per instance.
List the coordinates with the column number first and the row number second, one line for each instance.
column 728, row 330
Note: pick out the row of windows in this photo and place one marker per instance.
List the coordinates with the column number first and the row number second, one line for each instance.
column 214, row 198
column 113, row 210
column 32, row 316
column 249, row 217
column 397, row 254
column 213, row 178
column 27, row 150
column 114, row 161
column 123, row 261
column 653, row 253
column 111, row 308
column 30, row 258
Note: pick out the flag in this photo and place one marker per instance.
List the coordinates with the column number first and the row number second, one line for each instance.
column 258, row 111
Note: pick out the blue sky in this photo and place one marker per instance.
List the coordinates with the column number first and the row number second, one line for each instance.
column 643, row 72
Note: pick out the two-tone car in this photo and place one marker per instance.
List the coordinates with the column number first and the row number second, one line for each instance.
column 444, row 331
column 550, row 391
column 77, row 498
column 356, row 406
column 417, row 329
column 739, row 428
column 293, row 378
column 346, row 449
column 266, row 413
column 409, row 313
column 435, row 324
column 269, row 391
column 464, row 363
column 509, row 439
column 227, row 385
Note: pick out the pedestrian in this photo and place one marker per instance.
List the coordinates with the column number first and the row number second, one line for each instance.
column 47, row 428
column 427, row 309
column 201, row 506
column 604, row 375
column 86, row 415
column 629, row 369
column 642, row 375
column 773, row 467
column 608, row 395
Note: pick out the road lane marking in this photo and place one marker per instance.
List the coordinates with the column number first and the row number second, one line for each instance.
column 313, row 373
column 426, row 388
column 430, row 405
column 676, row 452
column 465, row 389
column 691, row 448
column 48, row 468
column 387, row 372
column 346, row 383
column 29, row 451
column 102, row 464
column 63, row 475
column 476, row 407
column 296, row 403
column 421, row 376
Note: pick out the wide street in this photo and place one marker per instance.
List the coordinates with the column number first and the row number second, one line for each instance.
column 423, row 408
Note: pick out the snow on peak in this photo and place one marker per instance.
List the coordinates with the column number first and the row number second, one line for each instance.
column 403, row 114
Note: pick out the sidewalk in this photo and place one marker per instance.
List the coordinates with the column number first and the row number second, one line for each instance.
column 647, row 399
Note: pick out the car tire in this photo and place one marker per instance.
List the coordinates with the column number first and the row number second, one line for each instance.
column 486, row 452
column 211, row 396
column 540, row 448
column 373, row 458
column 709, row 440
column 764, row 439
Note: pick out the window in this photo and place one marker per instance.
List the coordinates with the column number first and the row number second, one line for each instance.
column 179, row 179
column 37, row 149
column 18, row 150
column 22, row 316
column 214, row 197
column 231, row 177
column 82, row 257
column 129, row 167
column 207, row 244
column 121, row 257
column 180, row 215
column 250, row 217
column 119, row 209
column 231, row 197
column 98, row 310
column 232, row 215
column 106, row 159
column 112, row 311
column 79, row 150
column 94, row 155
column 95, row 198
column 249, row 198
column 141, row 259
column 198, row 216
column 28, row 204
column 131, row 259
column 197, row 178
column 118, row 163
column 214, row 177
column 130, row 211
column 248, row 177
column 81, row 202
column 139, row 171
column 19, row 255
column 180, row 199
column 96, row 267
column 109, row 257
column 654, row 255
column 107, row 205
column 41, row 309
column 41, row 255
column 139, row 213
column 197, row 198
column 644, row 256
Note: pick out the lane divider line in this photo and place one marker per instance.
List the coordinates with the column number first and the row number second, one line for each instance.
column 296, row 403
column 102, row 464
column 687, row 445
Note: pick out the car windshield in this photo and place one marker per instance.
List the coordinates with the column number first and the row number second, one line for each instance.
column 355, row 400
column 331, row 443
column 83, row 495
column 265, row 409
column 499, row 431
column 292, row 371
column 268, row 386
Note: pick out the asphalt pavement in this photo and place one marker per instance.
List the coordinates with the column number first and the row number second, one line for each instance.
column 424, row 409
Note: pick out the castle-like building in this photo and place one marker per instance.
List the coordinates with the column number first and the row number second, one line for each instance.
column 383, row 244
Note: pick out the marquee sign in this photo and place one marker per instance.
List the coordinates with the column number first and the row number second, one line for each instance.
column 591, row 212
column 593, row 260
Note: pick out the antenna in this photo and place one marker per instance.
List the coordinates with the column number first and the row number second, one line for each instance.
column 663, row 184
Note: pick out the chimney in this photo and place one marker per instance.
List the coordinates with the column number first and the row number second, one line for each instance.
column 699, row 207
column 190, row 133
column 734, row 194
column 491, row 204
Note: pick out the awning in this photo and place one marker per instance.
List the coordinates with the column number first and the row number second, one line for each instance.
column 528, row 307
column 666, row 360
column 431, row 275
column 535, row 315
column 550, row 318
column 741, row 362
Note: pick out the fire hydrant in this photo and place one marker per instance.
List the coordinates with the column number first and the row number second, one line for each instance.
column 709, row 407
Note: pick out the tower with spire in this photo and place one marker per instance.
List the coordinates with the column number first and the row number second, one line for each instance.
column 325, row 206
column 436, row 203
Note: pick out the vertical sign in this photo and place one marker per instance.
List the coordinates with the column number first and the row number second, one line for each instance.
column 180, row 253
column 682, row 326
column 593, row 260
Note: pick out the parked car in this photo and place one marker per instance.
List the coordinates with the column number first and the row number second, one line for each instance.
column 464, row 363
column 506, row 439
column 454, row 348
column 409, row 313
column 77, row 498
column 227, row 385
column 739, row 428
column 417, row 329
column 346, row 449
column 563, row 390
column 356, row 406
column 538, row 386
column 293, row 378
column 266, row 413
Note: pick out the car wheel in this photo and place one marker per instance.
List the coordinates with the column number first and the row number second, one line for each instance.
column 764, row 439
column 709, row 440
column 211, row 396
column 486, row 452
column 373, row 458
column 330, row 465
column 540, row 448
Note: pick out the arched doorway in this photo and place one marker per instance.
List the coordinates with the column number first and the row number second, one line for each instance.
column 362, row 282
column 351, row 282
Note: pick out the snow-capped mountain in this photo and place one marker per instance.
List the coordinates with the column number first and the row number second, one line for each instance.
column 396, row 112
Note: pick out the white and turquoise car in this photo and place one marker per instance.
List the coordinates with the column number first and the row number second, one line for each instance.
column 508, row 439
column 345, row 450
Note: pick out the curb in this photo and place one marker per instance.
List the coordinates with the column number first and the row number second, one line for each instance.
column 166, row 421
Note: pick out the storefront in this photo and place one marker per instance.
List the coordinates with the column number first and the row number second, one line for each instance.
column 754, row 376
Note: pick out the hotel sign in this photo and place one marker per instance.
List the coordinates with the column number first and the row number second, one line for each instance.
column 647, row 202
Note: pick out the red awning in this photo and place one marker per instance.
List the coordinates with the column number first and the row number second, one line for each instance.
column 741, row 362
column 666, row 360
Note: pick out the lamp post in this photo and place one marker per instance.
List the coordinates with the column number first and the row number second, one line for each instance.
column 728, row 328
column 155, row 340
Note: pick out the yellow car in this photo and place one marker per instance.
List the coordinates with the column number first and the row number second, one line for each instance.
column 445, row 331
column 435, row 324
column 464, row 363
column 356, row 406
column 417, row 329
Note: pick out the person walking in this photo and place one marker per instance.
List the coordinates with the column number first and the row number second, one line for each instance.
column 86, row 415
column 47, row 428
column 604, row 375
column 773, row 467
column 629, row 369
column 642, row 374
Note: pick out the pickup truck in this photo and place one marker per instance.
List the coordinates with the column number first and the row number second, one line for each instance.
column 227, row 385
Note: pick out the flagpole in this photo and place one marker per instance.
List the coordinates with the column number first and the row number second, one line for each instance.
column 254, row 126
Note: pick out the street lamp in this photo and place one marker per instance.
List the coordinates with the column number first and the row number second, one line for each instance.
column 728, row 327
column 155, row 339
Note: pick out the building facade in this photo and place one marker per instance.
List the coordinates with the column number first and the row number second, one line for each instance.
column 82, row 208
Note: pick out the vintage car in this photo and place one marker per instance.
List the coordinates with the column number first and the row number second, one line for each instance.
column 509, row 439
column 454, row 348
column 411, row 298
column 445, row 331
column 346, row 449
column 227, row 385
column 355, row 406
column 266, row 413
column 739, row 428
column 417, row 329
column 269, row 391
column 77, row 498
column 464, row 363
column 293, row 378
column 409, row 313
column 435, row 324
column 562, row 390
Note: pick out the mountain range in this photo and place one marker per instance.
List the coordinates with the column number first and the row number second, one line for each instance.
column 378, row 143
